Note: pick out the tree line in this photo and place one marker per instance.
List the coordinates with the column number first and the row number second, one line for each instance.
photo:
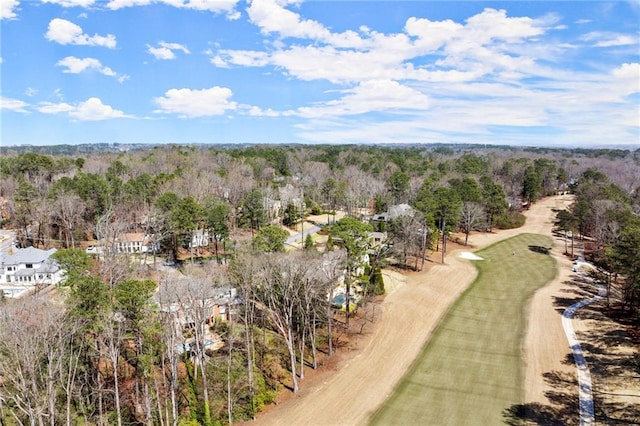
column 604, row 219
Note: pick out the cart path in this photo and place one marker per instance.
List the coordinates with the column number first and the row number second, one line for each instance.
column 587, row 412
column 410, row 313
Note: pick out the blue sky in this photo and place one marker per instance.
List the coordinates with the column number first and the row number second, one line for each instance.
column 533, row 73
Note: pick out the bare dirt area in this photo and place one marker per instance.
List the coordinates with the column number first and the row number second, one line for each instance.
column 359, row 379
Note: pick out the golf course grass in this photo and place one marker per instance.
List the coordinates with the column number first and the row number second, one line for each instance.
column 471, row 369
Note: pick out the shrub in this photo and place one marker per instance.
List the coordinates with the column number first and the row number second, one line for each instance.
column 376, row 282
column 509, row 220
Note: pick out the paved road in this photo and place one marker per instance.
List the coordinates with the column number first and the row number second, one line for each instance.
column 300, row 236
column 6, row 238
column 587, row 412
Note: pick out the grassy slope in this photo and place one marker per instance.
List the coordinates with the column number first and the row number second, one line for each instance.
column 471, row 370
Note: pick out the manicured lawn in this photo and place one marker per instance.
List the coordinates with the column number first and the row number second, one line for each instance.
column 471, row 370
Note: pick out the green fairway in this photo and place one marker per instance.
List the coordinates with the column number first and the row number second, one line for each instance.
column 471, row 369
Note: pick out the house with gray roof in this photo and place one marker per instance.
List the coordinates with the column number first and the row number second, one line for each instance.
column 25, row 269
column 394, row 212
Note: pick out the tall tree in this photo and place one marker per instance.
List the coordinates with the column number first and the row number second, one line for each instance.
column 270, row 239
column 625, row 257
column 281, row 281
column 566, row 222
column 446, row 210
column 217, row 215
column 471, row 216
column 186, row 218
column 531, row 185
column 253, row 213
column 398, row 184
column 494, row 200
column 352, row 235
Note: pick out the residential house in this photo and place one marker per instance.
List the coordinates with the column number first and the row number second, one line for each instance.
column 377, row 238
column 24, row 269
column 126, row 243
column 394, row 212
column 175, row 300
column 132, row 242
column 199, row 238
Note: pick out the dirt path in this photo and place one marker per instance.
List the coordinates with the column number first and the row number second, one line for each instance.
column 410, row 313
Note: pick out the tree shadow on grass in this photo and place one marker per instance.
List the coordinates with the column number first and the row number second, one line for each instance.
column 577, row 289
column 562, row 409
column 609, row 354
column 540, row 249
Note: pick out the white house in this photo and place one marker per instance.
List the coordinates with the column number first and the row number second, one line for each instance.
column 127, row 243
column 24, row 269
column 199, row 238
column 133, row 242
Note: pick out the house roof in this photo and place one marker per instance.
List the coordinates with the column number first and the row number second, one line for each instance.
column 132, row 237
column 400, row 210
column 48, row 267
column 395, row 212
column 26, row 255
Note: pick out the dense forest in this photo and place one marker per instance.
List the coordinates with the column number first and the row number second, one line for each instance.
column 104, row 348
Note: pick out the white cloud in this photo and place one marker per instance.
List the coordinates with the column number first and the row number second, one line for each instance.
column 215, row 6
column 14, row 105
column 246, row 58
column 255, row 111
column 7, row 9
column 189, row 103
column 119, row 4
column 370, row 96
column 492, row 78
column 71, row 3
column 627, row 79
column 65, row 32
column 90, row 110
column 166, row 50
column 94, row 110
column 609, row 39
column 30, row 92
column 54, row 108
column 630, row 71
column 77, row 65
column 488, row 43
column 493, row 24
column 272, row 17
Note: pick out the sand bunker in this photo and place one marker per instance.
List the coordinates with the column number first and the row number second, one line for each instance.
column 469, row 255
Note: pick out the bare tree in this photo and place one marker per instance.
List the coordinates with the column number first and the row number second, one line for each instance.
column 173, row 339
column 332, row 266
column 471, row 215
column 407, row 238
column 242, row 275
column 238, row 183
column 109, row 346
column 317, row 294
column 114, row 266
column 69, row 208
column 33, row 345
column 315, row 173
column 278, row 291
column 193, row 296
